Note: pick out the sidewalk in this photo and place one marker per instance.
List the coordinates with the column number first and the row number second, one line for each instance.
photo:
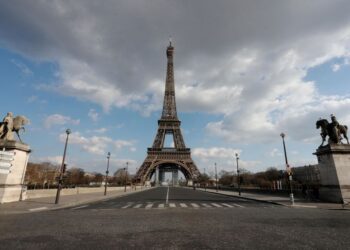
column 48, row 203
column 281, row 200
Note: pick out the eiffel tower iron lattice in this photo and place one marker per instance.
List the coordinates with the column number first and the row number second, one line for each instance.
column 159, row 156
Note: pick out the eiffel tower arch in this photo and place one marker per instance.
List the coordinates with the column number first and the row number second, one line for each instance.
column 160, row 158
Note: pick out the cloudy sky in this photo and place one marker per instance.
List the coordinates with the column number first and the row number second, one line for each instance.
column 245, row 71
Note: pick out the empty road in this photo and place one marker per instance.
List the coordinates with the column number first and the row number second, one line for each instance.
column 177, row 218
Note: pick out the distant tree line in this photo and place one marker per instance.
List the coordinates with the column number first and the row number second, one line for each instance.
column 45, row 175
column 264, row 179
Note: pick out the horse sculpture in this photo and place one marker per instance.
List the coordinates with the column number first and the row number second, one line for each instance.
column 18, row 124
column 335, row 132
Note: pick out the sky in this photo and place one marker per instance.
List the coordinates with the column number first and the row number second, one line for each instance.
column 245, row 71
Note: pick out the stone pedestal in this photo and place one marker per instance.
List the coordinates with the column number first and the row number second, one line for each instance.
column 13, row 164
column 334, row 166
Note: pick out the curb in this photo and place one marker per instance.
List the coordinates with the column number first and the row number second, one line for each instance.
column 246, row 198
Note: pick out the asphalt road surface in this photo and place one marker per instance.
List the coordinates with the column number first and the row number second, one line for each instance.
column 177, row 218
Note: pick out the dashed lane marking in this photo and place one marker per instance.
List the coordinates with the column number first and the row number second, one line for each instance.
column 172, row 205
column 161, row 205
column 138, row 206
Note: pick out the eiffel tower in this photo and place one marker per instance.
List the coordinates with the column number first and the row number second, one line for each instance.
column 162, row 159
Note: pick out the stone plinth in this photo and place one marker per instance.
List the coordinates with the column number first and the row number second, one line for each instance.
column 13, row 164
column 334, row 166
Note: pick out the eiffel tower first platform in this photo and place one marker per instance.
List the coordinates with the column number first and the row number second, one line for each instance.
column 162, row 159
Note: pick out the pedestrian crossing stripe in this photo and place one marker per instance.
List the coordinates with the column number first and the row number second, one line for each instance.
column 149, row 206
column 236, row 205
column 128, row 205
column 194, row 205
column 226, row 205
column 206, row 205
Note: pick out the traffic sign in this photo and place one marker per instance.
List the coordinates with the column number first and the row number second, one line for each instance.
column 7, row 156
column 5, row 165
column 4, row 171
column 7, row 153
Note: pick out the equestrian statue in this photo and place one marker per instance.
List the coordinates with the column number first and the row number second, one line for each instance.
column 335, row 132
column 10, row 124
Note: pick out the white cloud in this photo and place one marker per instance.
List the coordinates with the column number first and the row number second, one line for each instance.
column 122, row 143
column 215, row 152
column 96, row 144
column 275, row 152
column 58, row 119
column 23, row 68
column 335, row 67
column 100, row 130
column 93, row 115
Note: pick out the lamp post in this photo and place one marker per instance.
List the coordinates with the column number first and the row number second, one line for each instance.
column 238, row 177
column 126, row 175
column 288, row 169
column 216, row 178
column 205, row 184
column 60, row 178
column 106, row 180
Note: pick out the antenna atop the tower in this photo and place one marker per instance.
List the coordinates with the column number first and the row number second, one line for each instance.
column 170, row 40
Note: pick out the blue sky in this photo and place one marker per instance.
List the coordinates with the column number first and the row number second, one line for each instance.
column 100, row 71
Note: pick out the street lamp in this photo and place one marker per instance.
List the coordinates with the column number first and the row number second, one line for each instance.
column 106, row 180
column 238, row 177
column 60, row 178
column 205, row 183
column 288, row 169
column 126, row 175
column 216, row 178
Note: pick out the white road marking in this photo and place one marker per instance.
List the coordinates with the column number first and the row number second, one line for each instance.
column 138, row 206
column 183, row 205
column 129, row 205
column 172, row 205
column 236, row 205
column 226, row 205
column 161, row 205
column 167, row 196
column 216, row 205
column 149, row 206
column 74, row 208
column 205, row 205
column 194, row 205
column 304, row 206
column 38, row 209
